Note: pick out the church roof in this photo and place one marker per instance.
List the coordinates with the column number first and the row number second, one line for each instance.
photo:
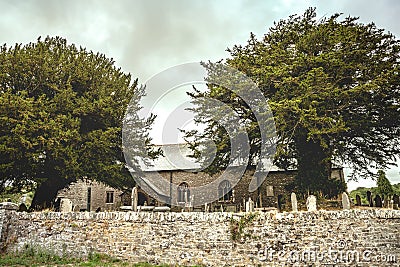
column 177, row 157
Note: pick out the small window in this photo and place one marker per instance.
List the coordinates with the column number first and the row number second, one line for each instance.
column 225, row 191
column 270, row 191
column 110, row 197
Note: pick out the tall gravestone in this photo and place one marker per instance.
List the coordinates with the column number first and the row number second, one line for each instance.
column 369, row 198
column 311, row 203
column 250, row 205
column 378, row 201
column 134, row 198
column 345, row 201
column 293, row 199
column 396, row 200
column 358, row 200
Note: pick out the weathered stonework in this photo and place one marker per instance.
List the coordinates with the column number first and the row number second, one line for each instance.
column 156, row 189
column 96, row 199
column 276, row 180
column 270, row 239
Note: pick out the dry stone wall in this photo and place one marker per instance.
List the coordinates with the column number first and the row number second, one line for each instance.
column 355, row 237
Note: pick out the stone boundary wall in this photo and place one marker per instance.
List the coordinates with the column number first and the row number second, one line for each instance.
column 340, row 238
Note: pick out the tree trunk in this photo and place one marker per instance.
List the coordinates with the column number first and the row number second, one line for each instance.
column 314, row 166
column 46, row 193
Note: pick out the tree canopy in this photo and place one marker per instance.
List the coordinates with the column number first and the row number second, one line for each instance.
column 333, row 87
column 61, row 114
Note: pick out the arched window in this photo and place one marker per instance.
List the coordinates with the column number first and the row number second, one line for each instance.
column 225, row 191
column 183, row 193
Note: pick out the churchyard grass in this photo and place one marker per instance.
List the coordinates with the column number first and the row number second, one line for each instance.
column 40, row 257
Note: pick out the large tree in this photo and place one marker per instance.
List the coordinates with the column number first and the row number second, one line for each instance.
column 61, row 115
column 333, row 87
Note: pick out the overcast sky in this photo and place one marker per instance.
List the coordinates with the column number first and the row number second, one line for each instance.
column 146, row 37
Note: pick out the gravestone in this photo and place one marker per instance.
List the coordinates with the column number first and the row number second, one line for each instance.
column 76, row 208
column 191, row 201
column 293, row 199
column 358, row 200
column 386, row 202
column 206, row 207
column 280, row 203
column 23, row 198
column 369, row 198
column 250, row 205
column 134, row 198
column 396, row 200
column 378, row 201
column 65, row 205
column 311, row 203
column 22, row 207
column 345, row 201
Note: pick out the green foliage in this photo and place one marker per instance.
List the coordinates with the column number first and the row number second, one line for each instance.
column 10, row 194
column 333, row 87
column 61, row 113
column 384, row 186
column 362, row 192
column 36, row 256
column 237, row 227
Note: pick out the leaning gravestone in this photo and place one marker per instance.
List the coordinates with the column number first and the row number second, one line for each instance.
column 358, row 200
column 66, row 205
column 378, row 201
column 311, row 203
column 293, row 199
column 345, row 201
column 369, row 198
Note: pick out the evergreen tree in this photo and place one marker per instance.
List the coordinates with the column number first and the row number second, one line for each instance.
column 61, row 115
column 333, row 86
column 384, row 187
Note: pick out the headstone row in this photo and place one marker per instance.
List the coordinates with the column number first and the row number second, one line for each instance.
column 311, row 202
column 377, row 201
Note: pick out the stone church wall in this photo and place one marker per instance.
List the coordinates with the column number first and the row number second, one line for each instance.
column 78, row 193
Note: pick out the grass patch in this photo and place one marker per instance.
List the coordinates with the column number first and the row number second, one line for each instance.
column 35, row 257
